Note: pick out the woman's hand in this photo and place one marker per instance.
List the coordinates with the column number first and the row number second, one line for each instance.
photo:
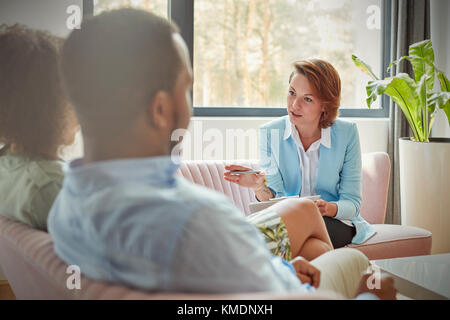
column 306, row 272
column 327, row 209
column 253, row 181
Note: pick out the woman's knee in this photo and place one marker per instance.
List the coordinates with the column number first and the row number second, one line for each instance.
column 301, row 206
column 299, row 212
column 307, row 210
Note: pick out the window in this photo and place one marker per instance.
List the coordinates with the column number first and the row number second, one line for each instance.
column 242, row 50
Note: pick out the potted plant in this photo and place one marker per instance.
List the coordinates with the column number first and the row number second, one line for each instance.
column 424, row 161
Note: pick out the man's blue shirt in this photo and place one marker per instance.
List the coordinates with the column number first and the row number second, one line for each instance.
column 135, row 222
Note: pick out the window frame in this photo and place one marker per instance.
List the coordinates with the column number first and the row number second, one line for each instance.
column 182, row 13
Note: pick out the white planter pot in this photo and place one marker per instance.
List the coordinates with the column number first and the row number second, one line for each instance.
column 425, row 188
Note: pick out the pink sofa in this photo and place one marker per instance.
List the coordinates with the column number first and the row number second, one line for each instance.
column 34, row 271
column 391, row 241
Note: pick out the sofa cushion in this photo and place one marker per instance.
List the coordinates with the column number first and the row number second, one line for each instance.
column 209, row 173
column 394, row 241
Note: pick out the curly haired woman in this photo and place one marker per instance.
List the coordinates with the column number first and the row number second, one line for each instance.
column 35, row 122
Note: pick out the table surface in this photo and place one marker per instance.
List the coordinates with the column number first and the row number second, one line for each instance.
column 423, row 277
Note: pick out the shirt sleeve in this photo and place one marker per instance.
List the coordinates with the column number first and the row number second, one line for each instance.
column 268, row 162
column 219, row 251
column 349, row 202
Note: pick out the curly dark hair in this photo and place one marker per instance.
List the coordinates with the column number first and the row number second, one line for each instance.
column 34, row 112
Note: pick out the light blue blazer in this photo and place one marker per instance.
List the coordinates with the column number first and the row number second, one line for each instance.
column 339, row 172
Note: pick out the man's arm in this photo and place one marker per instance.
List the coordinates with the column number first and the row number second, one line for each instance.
column 219, row 251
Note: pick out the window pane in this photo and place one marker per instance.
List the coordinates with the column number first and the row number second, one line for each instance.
column 244, row 49
column 158, row 7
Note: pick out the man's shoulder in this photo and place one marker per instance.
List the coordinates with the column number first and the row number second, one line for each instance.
column 153, row 207
column 184, row 197
column 114, row 212
column 202, row 197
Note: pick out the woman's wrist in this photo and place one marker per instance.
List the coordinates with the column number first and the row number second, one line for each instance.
column 260, row 186
column 262, row 192
column 334, row 209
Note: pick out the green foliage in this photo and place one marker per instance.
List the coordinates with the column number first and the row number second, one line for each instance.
column 415, row 97
column 364, row 67
column 445, row 88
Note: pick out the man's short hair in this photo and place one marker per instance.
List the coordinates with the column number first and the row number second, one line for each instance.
column 115, row 64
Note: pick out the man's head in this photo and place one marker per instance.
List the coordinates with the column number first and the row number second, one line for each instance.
column 128, row 75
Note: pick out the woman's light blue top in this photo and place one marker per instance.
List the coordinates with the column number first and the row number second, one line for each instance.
column 339, row 171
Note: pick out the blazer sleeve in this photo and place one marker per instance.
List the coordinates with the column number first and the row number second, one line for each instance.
column 268, row 161
column 349, row 202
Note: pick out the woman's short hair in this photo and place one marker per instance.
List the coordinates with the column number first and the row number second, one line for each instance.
column 33, row 108
column 327, row 85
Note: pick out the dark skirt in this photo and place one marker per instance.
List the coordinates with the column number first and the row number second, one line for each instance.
column 340, row 233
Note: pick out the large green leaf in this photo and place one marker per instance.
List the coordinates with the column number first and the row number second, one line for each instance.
column 445, row 87
column 364, row 67
column 396, row 62
column 422, row 61
column 403, row 90
column 441, row 100
column 422, row 94
column 421, row 57
column 443, row 80
column 411, row 58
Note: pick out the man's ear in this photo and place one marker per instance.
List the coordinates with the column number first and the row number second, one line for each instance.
column 160, row 112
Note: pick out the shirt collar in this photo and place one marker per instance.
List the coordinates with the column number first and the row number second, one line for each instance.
column 325, row 140
column 158, row 170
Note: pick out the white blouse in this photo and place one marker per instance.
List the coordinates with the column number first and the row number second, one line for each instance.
column 309, row 160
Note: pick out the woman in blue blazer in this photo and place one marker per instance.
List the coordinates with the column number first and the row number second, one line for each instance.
column 311, row 152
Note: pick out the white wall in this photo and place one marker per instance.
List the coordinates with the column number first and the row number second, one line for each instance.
column 440, row 34
column 49, row 15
